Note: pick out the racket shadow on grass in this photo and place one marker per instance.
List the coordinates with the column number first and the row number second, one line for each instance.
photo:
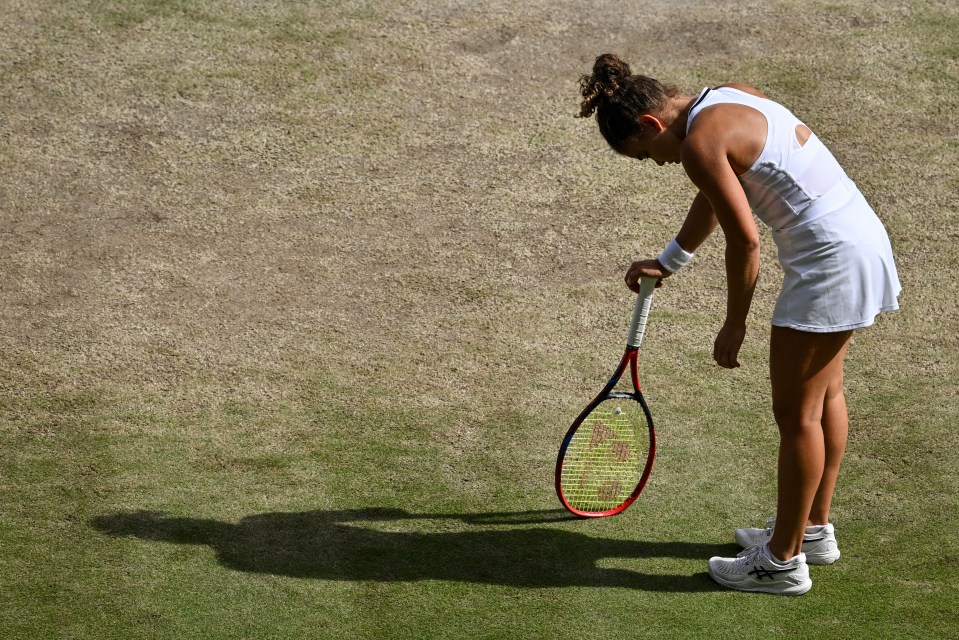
column 391, row 545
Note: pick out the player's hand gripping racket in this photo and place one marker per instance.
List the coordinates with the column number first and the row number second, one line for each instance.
column 608, row 452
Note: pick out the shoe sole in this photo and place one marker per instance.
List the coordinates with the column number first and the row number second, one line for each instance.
column 795, row 590
column 828, row 558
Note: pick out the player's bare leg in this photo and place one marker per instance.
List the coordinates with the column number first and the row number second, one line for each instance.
column 835, row 426
column 806, row 375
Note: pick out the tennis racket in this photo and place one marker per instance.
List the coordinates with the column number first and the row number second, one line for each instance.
column 607, row 454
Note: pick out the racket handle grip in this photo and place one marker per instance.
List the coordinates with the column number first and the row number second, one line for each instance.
column 637, row 328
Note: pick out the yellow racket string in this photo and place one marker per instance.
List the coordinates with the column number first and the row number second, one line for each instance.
column 606, row 457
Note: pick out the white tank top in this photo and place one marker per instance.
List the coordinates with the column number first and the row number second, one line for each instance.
column 787, row 178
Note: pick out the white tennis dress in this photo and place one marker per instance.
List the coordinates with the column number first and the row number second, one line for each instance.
column 839, row 273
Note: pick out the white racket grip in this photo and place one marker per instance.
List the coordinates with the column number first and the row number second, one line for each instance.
column 637, row 329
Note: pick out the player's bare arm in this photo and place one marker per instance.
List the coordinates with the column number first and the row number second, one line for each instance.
column 699, row 224
column 706, row 158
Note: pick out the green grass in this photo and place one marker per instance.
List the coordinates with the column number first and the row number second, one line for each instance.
column 299, row 299
column 333, row 517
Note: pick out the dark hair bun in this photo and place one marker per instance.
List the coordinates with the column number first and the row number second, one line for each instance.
column 609, row 74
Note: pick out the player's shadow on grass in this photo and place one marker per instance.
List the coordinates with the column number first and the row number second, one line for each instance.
column 391, row 545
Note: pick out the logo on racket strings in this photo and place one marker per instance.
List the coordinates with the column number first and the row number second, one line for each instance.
column 620, row 451
column 610, row 490
column 601, row 433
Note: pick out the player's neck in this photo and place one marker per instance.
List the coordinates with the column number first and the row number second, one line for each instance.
column 678, row 108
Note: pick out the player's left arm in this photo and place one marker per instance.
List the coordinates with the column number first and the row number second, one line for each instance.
column 705, row 159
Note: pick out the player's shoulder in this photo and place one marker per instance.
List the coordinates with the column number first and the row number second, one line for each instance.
column 725, row 117
column 720, row 130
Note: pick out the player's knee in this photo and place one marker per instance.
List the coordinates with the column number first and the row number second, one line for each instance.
column 794, row 417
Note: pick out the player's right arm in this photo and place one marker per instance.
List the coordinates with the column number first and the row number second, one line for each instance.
column 699, row 224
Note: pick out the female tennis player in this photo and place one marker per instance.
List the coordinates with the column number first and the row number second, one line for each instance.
column 747, row 154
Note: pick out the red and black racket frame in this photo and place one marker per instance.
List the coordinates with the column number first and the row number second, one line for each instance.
column 628, row 361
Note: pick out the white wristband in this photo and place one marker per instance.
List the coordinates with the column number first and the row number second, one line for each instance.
column 674, row 257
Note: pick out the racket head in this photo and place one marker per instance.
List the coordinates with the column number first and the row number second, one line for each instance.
column 608, row 452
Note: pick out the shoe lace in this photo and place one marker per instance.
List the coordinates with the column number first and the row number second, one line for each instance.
column 748, row 555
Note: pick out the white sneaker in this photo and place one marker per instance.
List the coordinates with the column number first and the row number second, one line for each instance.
column 755, row 569
column 818, row 543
